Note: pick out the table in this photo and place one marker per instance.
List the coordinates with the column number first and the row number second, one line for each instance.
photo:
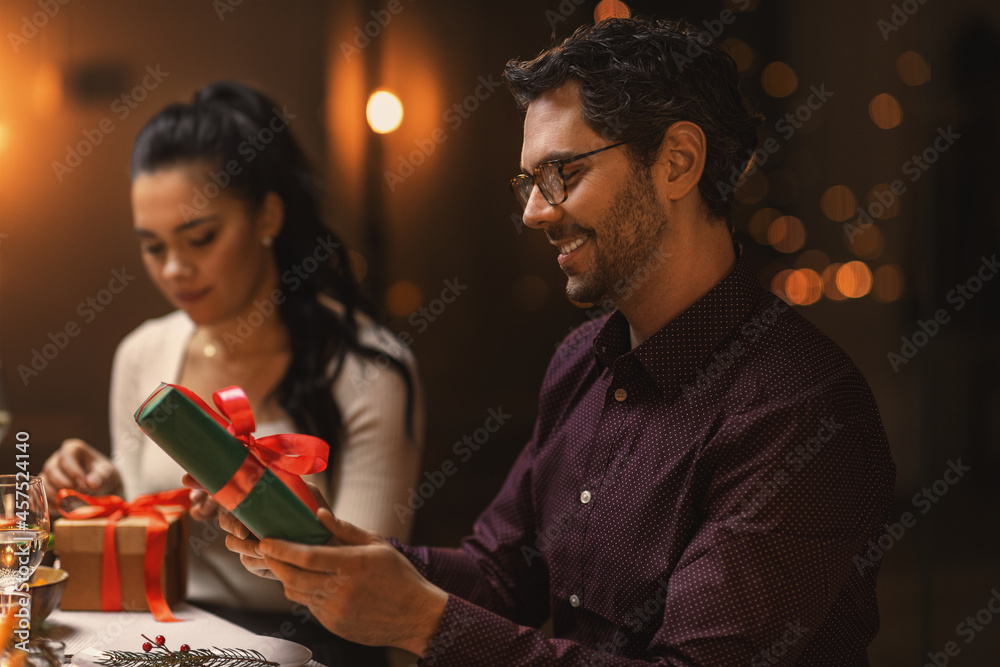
column 80, row 629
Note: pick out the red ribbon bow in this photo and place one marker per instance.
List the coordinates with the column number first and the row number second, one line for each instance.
column 115, row 508
column 287, row 455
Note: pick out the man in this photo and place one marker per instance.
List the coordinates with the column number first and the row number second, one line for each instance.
column 705, row 464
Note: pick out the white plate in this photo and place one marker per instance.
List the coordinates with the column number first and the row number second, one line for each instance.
column 281, row 651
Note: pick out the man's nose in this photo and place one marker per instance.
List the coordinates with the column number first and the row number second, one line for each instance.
column 538, row 211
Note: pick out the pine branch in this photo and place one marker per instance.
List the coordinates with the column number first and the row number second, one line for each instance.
column 213, row 657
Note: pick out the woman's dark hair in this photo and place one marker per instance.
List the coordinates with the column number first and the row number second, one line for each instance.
column 244, row 139
column 639, row 76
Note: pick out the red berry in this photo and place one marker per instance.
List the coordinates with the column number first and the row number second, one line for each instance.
column 146, row 646
column 185, row 648
column 160, row 640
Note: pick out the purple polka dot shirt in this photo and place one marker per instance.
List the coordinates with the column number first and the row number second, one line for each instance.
column 697, row 500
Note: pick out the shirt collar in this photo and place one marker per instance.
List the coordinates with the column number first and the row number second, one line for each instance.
column 673, row 353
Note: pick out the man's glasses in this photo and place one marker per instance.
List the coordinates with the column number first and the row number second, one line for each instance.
column 549, row 178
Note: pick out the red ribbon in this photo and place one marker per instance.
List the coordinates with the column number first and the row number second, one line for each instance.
column 286, row 455
column 115, row 508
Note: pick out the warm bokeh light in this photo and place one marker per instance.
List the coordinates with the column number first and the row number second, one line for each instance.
column 403, row 298
column 867, row 243
column 753, row 190
column 611, row 9
column 889, row 282
column 384, row 112
column 913, row 70
column 854, row 279
column 530, row 293
column 779, row 80
column 829, row 277
column 838, row 203
column 741, row 53
column 47, row 90
column 803, row 287
column 359, row 265
column 786, row 234
column 3, row 136
column 812, row 259
column 878, row 197
column 759, row 223
column 778, row 285
column 885, row 111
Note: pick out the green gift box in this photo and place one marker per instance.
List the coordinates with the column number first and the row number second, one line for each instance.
column 222, row 463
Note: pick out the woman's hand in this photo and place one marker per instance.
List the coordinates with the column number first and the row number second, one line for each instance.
column 78, row 466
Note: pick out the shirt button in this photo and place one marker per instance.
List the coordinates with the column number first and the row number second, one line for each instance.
column 620, row 395
column 585, row 497
column 574, row 600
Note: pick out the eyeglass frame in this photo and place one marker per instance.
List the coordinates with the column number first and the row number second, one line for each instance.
column 560, row 164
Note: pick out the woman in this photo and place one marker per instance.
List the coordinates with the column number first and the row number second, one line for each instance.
column 227, row 214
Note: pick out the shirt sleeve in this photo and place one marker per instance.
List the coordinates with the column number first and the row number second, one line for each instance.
column 379, row 455
column 757, row 578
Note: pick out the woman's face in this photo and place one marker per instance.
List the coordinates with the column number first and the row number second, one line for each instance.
column 205, row 255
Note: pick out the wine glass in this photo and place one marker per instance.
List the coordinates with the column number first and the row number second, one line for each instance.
column 24, row 532
column 4, row 406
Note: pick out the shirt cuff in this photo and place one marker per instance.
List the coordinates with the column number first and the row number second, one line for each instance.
column 467, row 636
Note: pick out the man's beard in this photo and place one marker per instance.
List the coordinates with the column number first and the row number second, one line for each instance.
column 629, row 238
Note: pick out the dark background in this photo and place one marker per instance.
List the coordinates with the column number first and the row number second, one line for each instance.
column 454, row 218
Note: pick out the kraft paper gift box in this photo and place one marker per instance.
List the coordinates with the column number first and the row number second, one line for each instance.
column 80, row 546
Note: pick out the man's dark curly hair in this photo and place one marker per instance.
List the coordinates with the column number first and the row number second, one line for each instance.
column 638, row 77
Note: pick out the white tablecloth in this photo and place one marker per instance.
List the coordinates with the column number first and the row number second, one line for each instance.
column 82, row 629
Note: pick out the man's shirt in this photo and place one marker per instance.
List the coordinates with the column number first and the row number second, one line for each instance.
column 697, row 500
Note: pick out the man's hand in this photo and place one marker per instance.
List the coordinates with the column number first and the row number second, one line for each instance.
column 358, row 586
column 78, row 466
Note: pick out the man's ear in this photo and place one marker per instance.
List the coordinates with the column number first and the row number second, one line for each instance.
column 271, row 216
column 682, row 159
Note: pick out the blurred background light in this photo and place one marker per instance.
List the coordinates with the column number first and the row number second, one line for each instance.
column 854, row 279
column 741, row 52
column 779, row 80
column 913, row 70
column 803, row 287
column 384, row 111
column 830, row 289
column 786, row 234
column 403, row 298
column 838, row 203
column 611, row 9
column 885, row 111
column 889, row 283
